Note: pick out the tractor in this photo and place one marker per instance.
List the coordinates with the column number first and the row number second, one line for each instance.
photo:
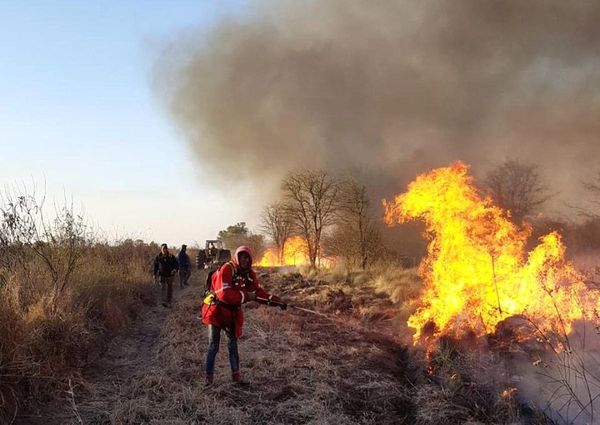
column 213, row 256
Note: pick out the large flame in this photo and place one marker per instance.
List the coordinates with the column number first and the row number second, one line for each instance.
column 295, row 253
column 477, row 272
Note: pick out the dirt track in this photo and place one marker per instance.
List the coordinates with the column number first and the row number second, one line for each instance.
column 302, row 368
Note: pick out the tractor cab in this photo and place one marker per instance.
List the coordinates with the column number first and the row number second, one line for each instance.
column 213, row 255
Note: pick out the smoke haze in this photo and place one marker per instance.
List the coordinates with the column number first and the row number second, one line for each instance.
column 390, row 87
column 564, row 384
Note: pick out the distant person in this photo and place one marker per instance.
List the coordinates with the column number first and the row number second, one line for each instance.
column 234, row 284
column 212, row 250
column 185, row 266
column 165, row 268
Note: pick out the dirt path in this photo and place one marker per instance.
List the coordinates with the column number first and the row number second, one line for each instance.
column 302, row 369
column 128, row 358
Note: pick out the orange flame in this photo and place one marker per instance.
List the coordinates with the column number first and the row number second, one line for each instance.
column 508, row 392
column 477, row 272
column 295, row 253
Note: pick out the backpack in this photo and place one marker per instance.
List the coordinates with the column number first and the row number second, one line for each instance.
column 208, row 284
column 209, row 296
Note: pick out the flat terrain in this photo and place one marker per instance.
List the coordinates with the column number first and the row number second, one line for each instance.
column 302, row 368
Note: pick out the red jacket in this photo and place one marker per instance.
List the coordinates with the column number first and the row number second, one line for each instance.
column 233, row 292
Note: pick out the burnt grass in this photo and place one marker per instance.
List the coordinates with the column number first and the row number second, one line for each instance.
column 350, row 367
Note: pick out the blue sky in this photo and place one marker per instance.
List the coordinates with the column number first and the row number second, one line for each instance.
column 77, row 111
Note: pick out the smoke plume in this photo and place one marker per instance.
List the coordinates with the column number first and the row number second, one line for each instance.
column 391, row 87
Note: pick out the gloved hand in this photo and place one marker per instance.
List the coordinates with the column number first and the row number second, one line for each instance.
column 283, row 306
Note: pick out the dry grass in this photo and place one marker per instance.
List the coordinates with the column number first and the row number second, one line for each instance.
column 460, row 384
column 382, row 296
column 348, row 368
column 46, row 343
column 400, row 284
column 302, row 369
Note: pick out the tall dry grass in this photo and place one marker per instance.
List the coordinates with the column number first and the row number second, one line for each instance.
column 45, row 340
column 303, row 369
column 450, row 384
column 382, row 294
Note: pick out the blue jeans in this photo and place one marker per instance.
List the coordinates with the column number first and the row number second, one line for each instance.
column 214, row 339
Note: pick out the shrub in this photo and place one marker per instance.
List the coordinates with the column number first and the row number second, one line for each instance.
column 47, row 340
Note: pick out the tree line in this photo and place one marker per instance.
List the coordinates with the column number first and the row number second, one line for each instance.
column 332, row 214
column 335, row 216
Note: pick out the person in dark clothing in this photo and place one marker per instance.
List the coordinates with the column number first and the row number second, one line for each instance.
column 165, row 268
column 211, row 251
column 185, row 266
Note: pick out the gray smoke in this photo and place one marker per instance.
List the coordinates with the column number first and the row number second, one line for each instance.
column 564, row 385
column 393, row 87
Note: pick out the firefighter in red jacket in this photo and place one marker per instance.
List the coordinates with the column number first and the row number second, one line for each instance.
column 234, row 284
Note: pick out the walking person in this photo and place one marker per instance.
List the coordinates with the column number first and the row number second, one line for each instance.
column 234, row 284
column 165, row 268
column 185, row 266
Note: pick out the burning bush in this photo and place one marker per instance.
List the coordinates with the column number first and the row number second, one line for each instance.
column 484, row 291
column 477, row 272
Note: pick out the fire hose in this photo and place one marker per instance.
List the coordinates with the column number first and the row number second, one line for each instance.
column 210, row 299
column 285, row 305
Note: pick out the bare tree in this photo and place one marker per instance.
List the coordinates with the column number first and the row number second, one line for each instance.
column 276, row 224
column 593, row 189
column 356, row 235
column 311, row 201
column 517, row 186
